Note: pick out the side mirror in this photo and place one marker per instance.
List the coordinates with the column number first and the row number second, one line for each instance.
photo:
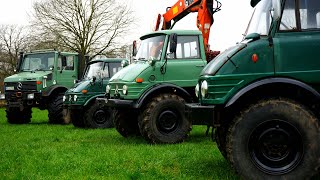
column 124, row 63
column 93, row 80
column 173, row 43
column 134, row 48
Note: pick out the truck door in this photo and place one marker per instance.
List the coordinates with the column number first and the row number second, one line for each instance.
column 297, row 42
column 184, row 69
column 66, row 74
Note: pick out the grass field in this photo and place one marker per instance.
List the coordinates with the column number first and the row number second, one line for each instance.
column 42, row 151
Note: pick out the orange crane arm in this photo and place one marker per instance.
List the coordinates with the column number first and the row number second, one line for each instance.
column 204, row 19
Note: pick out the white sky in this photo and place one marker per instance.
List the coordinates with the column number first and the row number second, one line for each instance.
column 230, row 23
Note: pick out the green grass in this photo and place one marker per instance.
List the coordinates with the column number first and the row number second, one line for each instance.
column 42, row 151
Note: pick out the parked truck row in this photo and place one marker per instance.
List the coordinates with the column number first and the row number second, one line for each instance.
column 261, row 96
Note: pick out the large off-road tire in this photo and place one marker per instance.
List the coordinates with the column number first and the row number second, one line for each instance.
column 163, row 120
column 55, row 110
column 275, row 139
column 97, row 117
column 125, row 122
column 220, row 138
column 15, row 116
column 76, row 117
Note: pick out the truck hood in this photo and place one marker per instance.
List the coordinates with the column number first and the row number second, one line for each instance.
column 27, row 76
column 222, row 58
column 130, row 72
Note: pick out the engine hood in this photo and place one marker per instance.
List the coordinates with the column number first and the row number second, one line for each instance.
column 27, row 76
column 222, row 58
column 130, row 72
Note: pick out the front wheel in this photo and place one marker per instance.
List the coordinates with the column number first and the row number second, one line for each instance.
column 97, row 117
column 55, row 110
column 274, row 139
column 164, row 121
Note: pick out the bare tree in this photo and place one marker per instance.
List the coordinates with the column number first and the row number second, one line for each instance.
column 84, row 26
column 13, row 39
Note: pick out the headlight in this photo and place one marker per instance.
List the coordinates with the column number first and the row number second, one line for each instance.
column 204, row 88
column 108, row 89
column 196, row 90
column 64, row 98
column 2, row 96
column 75, row 98
column 30, row 96
column 125, row 89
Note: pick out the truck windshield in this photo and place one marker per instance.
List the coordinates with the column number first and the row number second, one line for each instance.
column 102, row 70
column 38, row 62
column 261, row 18
column 150, row 48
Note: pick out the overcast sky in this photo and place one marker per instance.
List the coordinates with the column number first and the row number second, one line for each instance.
column 230, row 23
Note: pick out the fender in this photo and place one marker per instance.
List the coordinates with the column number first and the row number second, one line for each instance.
column 272, row 81
column 158, row 87
column 51, row 89
column 92, row 98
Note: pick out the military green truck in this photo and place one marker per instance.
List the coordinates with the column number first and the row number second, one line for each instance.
column 263, row 95
column 42, row 78
column 149, row 94
column 79, row 101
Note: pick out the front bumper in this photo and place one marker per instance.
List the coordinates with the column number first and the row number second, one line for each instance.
column 200, row 115
column 117, row 103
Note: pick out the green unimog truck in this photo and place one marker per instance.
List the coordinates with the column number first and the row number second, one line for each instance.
column 149, row 95
column 79, row 101
column 42, row 78
column 263, row 95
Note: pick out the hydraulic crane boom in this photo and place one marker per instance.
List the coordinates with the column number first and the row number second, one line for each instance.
column 204, row 19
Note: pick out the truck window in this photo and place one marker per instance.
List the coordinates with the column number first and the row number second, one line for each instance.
column 187, row 48
column 309, row 14
column 70, row 63
column 288, row 20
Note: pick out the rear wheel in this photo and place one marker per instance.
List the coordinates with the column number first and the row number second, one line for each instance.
column 15, row 116
column 55, row 110
column 125, row 122
column 274, row 139
column 97, row 117
column 164, row 121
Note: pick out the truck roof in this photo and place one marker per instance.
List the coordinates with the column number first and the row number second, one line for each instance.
column 49, row 51
column 168, row 32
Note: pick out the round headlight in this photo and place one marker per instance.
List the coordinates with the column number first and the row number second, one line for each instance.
column 125, row 89
column 196, row 90
column 204, row 88
column 108, row 89
column 64, row 98
column 75, row 97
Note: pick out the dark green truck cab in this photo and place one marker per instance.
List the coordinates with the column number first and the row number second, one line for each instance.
column 262, row 95
column 79, row 101
column 149, row 95
column 41, row 78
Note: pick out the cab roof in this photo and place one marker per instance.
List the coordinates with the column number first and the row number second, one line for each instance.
column 168, row 32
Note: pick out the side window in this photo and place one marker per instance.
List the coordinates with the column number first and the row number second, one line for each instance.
column 187, row 48
column 309, row 14
column 70, row 63
column 288, row 20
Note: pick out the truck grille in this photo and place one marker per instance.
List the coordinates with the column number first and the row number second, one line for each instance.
column 21, row 86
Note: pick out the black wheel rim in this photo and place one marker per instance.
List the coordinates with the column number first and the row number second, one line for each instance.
column 276, row 147
column 168, row 121
column 100, row 116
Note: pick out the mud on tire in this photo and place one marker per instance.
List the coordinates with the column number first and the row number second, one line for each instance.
column 55, row 110
column 164, row 121
column 15, row 116
column 274, row 139
column 125, row 122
